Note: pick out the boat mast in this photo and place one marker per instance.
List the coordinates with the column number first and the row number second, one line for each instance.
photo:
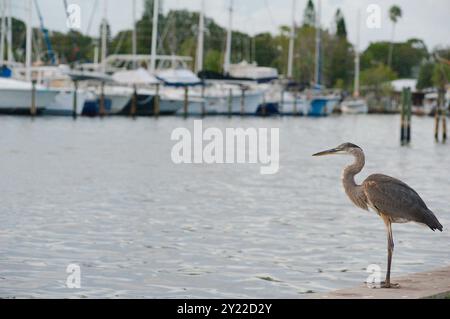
column 154, row 35
column 227, row 62
column 201, row 37
column 9, row 35
column 318, row 66
column 357, row 55
column 3, row 34
column 134, row 49
column 29, row 44
column 104, row 34
column 291, row 43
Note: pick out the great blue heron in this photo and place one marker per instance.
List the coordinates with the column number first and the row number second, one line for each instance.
column 391, row 199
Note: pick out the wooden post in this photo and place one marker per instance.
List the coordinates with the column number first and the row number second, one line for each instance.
column 444, row 125
column 408, row 114
column 75, row 100
column 134, row 98
column 264, row 106
column 33, row 110
column 403, row 118
column 437, row 117
column 295, row 111
column 441, row 111
column 242, row 101
column 157, row 109
column 203, row 101
column 102, row 100
column 230, row 102
column 186, row 101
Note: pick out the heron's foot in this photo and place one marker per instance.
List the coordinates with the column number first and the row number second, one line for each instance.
column 388, row 285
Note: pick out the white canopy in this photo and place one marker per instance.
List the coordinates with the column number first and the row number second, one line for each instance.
column 252, row 71
column 400, row 84
column 178, row 77
column 136, row 77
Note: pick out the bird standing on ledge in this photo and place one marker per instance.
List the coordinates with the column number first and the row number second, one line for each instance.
column 390, row 198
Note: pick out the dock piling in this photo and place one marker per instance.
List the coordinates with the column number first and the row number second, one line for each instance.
column 295, row 111
column 405, row 121
column 134, row 98
column 203, row 101
column 440, row 112
column 33, row 110
column 186, row 101
column 230, row 102
column 102, row 100
column 264, row 106
column 157, row 109
column 242, row 101
column 408, row 114
column 75, row 100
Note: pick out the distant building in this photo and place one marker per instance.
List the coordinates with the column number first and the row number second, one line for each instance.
column 400, row 84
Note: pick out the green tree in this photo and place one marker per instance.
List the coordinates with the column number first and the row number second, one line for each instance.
column 148, row 7
column 395, row 13
column 376, row 80
column 425, row 79
column 213, row 61
column 309, row 15
column 341, row 28
column 409, row 56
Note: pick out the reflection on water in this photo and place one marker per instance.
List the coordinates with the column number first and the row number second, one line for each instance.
column 105, row 195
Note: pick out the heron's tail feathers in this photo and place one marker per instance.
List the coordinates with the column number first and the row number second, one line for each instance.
column 432, row 222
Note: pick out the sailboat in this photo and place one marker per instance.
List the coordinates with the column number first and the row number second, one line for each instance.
column 16, row 96
column 356, row 105
column 235, row 91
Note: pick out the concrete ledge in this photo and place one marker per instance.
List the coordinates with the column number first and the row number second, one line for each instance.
column 433, row 284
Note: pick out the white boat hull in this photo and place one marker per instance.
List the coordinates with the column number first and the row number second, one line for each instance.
column 62, row 105
column 11, row 99
column 354, row 107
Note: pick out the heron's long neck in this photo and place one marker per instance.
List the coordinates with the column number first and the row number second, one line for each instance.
column 348, row 177
column 353, row 190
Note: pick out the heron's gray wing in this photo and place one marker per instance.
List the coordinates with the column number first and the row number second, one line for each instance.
column 397, row 200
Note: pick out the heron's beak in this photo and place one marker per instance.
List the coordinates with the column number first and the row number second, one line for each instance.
column 328, row 152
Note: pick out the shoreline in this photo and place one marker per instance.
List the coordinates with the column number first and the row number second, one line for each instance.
column 433, row 284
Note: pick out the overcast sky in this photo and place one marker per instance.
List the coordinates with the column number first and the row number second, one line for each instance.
column 425, row 19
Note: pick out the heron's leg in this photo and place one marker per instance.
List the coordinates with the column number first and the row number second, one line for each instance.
column 390, row 239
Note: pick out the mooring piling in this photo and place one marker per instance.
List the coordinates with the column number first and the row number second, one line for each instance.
column 203, row 101
column 230, row 102
column 242, row 101
column 186, row 101
column 134, row 98
column 75, row 100
column 33, row 110
column 157, row 108
column 406, row 114
column 102, row 100
column 440, row 112
column 264, row 106
column 295, row 111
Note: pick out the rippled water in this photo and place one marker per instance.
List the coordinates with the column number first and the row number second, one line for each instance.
column 105, row 195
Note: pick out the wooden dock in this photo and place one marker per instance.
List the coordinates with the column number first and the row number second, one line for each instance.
column 432, row 284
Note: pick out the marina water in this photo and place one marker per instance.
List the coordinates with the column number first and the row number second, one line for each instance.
column 104, row 194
